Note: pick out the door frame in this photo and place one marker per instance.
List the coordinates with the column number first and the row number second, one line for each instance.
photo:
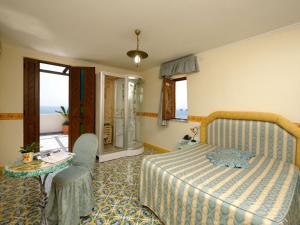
column 100, row 104
column 35, row 120
column 126, row 151
column 101, row 110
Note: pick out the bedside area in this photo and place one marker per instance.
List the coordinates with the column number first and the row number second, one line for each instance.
column 186, row 144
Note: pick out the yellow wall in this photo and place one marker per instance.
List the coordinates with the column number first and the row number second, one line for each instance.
column 11, row 93
column 258, row 74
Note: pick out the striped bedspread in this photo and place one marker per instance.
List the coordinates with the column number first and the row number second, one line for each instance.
column 183, row 187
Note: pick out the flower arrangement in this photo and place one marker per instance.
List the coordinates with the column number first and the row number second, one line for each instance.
column 195, row 131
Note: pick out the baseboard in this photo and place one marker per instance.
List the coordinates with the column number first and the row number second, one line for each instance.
column 156, row 148
column 120, row 154
column 1, row 170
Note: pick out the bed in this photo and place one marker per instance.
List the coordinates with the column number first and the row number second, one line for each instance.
column 184, row 187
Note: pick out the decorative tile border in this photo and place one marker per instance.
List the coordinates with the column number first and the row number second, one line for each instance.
column 154, row 115
column 195, row 118
column 11, row 116
column 1, row 169
column 191, row 118
column 147, row 114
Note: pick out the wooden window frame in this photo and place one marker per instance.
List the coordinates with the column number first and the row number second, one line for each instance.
column 176, row 80
column 67, row 67
column 169, row 97
column 168, row 89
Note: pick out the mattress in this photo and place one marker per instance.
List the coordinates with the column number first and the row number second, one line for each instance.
column 183, row 187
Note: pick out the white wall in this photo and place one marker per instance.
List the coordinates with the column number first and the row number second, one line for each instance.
column 11, row 92
column 258, row 74
column 51, row 123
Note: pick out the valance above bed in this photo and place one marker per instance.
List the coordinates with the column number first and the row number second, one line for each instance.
column 185, row 65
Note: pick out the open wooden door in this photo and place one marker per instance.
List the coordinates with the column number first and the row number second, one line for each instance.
column 31, row 101
column 82, row 102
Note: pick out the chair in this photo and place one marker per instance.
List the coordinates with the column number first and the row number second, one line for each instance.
column 71, row 195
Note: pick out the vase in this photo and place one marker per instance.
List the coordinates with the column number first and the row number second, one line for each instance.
column 27, row 157
column 65, row 129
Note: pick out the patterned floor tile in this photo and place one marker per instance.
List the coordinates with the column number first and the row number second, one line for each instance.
column 116, row 195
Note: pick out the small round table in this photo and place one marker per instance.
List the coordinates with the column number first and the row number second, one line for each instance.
column 36, row 169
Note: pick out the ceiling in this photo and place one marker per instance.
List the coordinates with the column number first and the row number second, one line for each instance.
column 103, row 30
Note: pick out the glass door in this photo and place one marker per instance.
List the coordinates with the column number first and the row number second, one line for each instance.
column 120, row 103
column 134, row 101
column 119, row 131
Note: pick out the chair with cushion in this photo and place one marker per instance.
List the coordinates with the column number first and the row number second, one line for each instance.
column 71, row 194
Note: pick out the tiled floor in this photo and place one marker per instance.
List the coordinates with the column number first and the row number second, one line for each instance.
column 54, row 141
column 109, row 148
column 116, row 188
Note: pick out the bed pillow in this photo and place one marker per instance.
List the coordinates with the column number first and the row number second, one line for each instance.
column 232, row 158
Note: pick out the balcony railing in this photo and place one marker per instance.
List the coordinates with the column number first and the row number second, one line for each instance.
column 51, row 123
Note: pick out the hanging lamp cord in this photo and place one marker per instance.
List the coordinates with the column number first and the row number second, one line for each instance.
column 137, row 42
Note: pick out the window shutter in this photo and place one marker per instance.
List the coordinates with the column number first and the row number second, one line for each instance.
column 168, row 110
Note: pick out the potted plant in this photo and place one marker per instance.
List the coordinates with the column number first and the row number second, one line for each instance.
column 65, row 115
column 27, row 152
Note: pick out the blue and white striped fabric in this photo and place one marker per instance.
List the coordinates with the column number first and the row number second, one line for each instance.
column 184, row 188
column 263, row 138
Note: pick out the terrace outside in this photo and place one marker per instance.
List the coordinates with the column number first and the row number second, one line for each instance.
column 54, row 98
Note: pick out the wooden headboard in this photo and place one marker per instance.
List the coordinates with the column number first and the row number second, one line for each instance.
column 289, row 128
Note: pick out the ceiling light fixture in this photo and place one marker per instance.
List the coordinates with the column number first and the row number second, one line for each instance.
column 137, row 55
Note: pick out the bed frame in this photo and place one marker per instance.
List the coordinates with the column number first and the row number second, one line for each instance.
column 285, row 124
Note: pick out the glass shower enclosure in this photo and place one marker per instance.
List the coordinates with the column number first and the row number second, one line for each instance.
column 119, row 100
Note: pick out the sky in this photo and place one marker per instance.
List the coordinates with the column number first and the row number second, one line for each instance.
column 54, row 90
column 181, row 94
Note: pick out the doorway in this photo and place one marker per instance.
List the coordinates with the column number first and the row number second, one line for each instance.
column 113, row 114
column 54, row 107
column 47, row 87
column 119, row 124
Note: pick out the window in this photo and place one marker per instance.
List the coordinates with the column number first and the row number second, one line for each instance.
column 181, row 99
column 54, row 87
column 175, row 99
column 56, row 69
